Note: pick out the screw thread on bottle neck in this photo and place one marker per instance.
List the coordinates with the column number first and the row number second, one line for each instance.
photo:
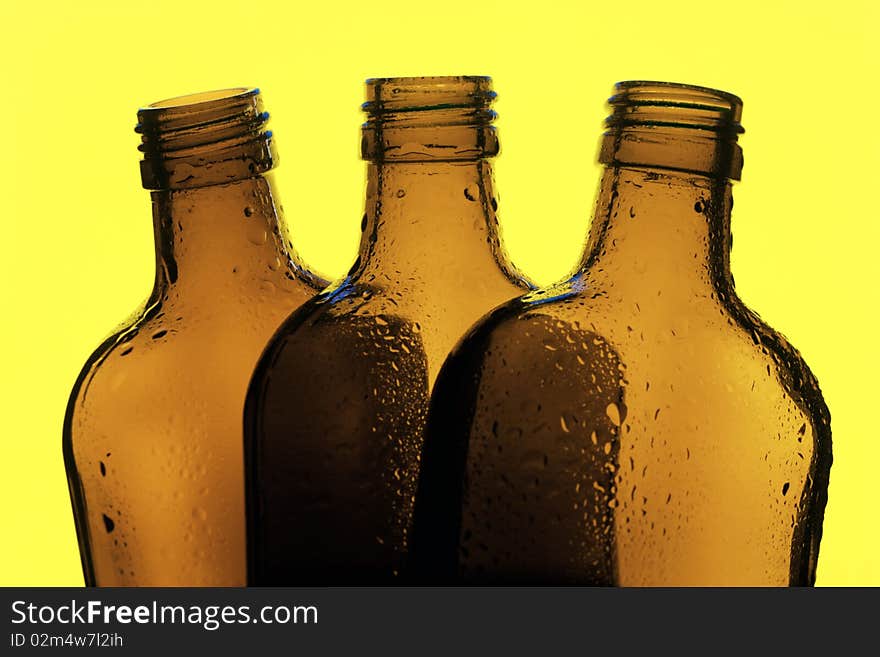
column 429, row 119
column 674, row 126
column 204, row 139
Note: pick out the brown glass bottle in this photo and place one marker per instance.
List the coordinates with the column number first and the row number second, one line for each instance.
column 152, row 436
column 635, row 424
column 336, row 409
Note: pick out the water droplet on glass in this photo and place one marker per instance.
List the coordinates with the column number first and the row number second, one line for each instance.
column 257, row 234
column 613, row 413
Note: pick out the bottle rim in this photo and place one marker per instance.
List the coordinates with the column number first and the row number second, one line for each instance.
column 200, row 99
column 430, row 79
column 386, row 97
column 699, row 91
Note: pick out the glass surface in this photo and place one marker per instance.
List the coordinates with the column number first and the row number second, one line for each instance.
column 336, row 410
column 152, row 436
column 635, row 424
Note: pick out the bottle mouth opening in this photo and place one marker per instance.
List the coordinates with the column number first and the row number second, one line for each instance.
column 201, row 98
column 427, row 93
column 675, row 105
column 672, row 91
column 161, row 122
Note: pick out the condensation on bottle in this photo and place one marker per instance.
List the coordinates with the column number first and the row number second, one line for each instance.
column 635, row 424
column 152, row 436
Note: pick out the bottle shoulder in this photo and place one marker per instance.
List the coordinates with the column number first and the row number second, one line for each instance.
column 718, row 345
column 348, row 303
column 174, row 345
column 118, row 344
column 355, row 320
column 793, row 372
column 335, row 360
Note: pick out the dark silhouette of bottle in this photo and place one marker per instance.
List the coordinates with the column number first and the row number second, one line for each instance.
column 336, row 409
column 635, row 424
column 152, row 435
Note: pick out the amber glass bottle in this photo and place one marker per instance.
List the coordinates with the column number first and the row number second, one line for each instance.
column 152, row 436
column 336, row 409
column 635, row 424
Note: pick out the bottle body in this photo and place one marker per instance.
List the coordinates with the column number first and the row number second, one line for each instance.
column 636, row 425
column 343, row 393
column 337, row 405
column 152, row 440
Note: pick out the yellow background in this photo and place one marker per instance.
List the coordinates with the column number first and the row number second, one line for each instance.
column 76, row 234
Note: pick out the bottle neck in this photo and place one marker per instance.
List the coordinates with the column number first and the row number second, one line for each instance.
column 204, row 139
column 431, row 222
column 659, row 234
column 221, row 237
